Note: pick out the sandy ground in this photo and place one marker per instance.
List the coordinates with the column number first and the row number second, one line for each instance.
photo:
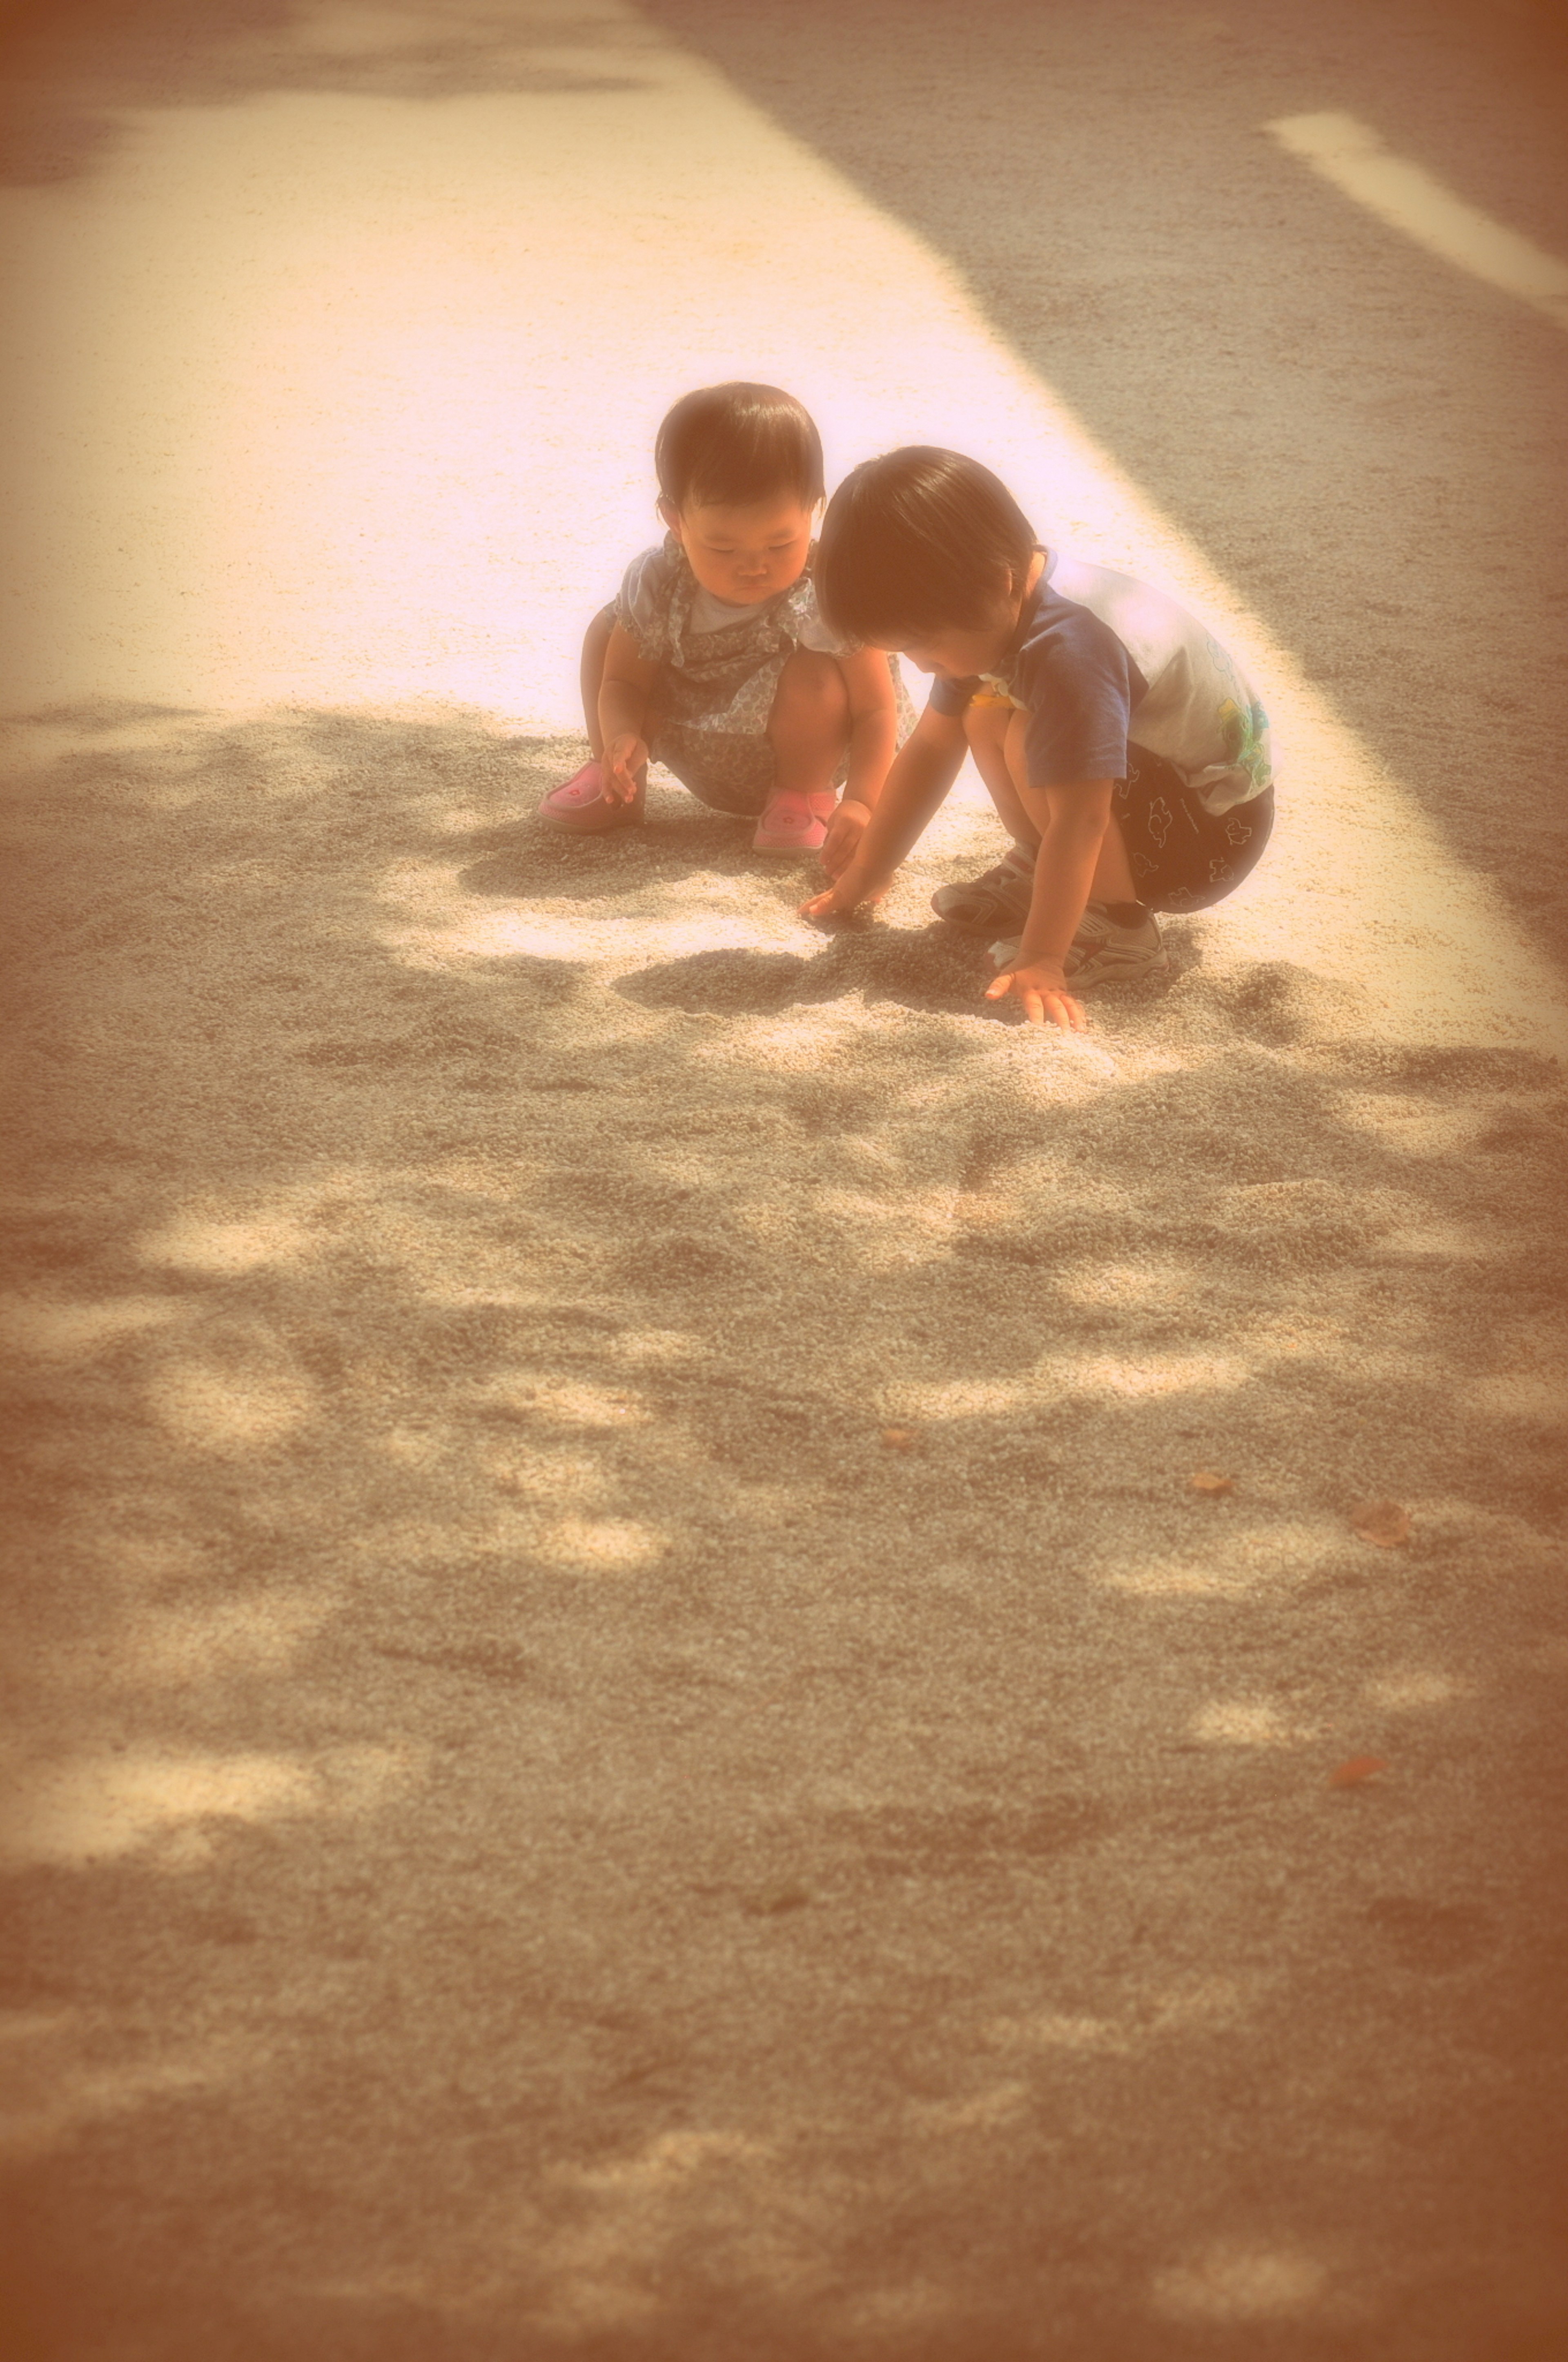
column 632, row 1742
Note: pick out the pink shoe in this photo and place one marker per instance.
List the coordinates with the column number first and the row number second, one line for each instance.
column 793, row 823
column 580, row 804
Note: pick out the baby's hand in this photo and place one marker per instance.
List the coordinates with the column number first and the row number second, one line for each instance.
column 844, row 832
column 1041, row 986
column 622, row 759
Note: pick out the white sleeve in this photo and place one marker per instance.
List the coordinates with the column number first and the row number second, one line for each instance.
column 642, row 602
column 815, row 634
column 812, row 631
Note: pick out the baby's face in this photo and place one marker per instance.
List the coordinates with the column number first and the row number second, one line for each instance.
column 745, row 555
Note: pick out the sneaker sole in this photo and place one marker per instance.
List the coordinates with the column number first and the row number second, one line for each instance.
column 969, row 924
column 1104, row 968
column 597, row 819
column 570, row 825
column 975, row 914
column 1117, row 967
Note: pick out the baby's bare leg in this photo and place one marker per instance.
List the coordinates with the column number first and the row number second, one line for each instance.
column 596, row 642
column 808, row 728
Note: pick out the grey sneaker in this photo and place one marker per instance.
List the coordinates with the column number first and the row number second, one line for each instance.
column 1101, row 952
column 999, row 898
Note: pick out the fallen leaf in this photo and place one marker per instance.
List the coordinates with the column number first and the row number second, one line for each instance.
column 1359, row 1768
column 1209, row 1482
column 898, row 1439
column 1383, row 1522
column 774, row 1899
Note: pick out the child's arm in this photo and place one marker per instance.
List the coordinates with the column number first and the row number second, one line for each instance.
column 873, row 738
column 922, row 770
column 623, row 711
column 1073, row 822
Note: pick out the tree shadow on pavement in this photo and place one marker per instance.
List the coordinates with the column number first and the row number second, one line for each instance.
column 75, row 68
column 636, row 1742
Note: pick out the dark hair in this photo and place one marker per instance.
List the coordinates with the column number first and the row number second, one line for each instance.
column 734, row 444
column 920, row 540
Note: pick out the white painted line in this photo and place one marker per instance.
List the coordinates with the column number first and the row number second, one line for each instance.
column 1346, row 152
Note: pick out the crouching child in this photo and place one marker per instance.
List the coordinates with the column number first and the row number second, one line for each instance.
column 1125, row 749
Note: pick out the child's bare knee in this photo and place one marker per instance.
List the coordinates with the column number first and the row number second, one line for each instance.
column 811, row 673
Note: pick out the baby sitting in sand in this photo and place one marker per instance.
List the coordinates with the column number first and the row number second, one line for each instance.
column 714, row 659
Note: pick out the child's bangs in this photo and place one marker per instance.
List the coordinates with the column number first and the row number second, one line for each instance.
column 893, row 589
column 919, row 542
column 885, row 605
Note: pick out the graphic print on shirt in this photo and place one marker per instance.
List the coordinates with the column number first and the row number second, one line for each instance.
column 1242, row 718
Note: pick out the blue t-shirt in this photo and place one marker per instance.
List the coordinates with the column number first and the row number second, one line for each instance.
column 1100, row 661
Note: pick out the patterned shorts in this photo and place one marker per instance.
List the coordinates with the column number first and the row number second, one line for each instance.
column 1184, row 858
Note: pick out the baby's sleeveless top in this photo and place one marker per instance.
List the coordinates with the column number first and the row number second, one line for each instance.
column 722, row 679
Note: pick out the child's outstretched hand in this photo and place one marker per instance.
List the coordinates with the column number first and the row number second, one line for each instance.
column 844, row 832
column 622, row 759
column 845, row 896
column 1041, row 986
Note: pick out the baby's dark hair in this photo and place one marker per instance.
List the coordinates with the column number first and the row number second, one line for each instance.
column 731, row 445
column 920, row 540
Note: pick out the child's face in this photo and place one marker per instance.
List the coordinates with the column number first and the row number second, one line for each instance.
column 746, row 555
column 959, row 655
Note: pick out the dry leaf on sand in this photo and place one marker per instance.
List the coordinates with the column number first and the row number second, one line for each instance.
column 770, row 1901
column 1383, row 1522
column 1359, row 1768
column 1209, row 1482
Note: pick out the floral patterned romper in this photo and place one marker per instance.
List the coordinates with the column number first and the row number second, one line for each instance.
column 707, row 714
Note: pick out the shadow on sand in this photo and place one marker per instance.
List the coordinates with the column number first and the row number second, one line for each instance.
column 548, row 1832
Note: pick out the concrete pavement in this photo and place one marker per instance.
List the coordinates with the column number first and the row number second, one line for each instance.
column 533, row 1830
